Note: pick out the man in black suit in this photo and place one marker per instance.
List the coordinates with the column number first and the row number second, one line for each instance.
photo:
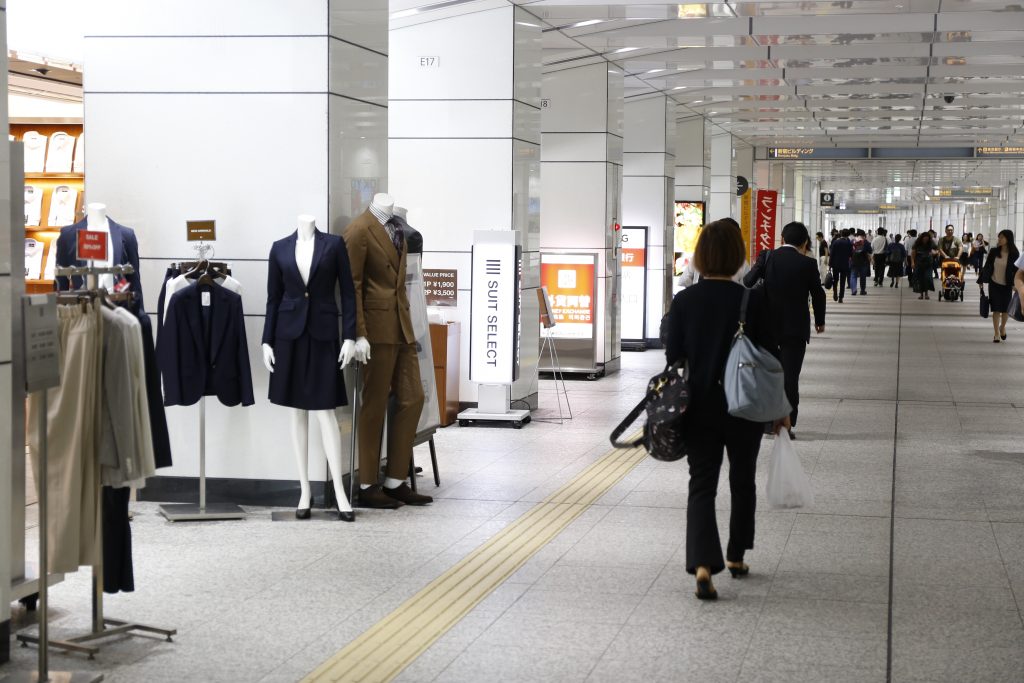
column 840, row 253
column 790, row 277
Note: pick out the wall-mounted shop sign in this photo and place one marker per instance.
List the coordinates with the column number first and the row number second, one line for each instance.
column 201, row 231
column 999, row 152
column 793, row 153
column 764, row 237
column 494, row 316
column 633, row 311
column 92, row 245
column 828, row 199
column 441, row 287
column 962, row 192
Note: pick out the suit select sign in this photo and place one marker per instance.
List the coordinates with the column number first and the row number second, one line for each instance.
column 764, row 236
column 494, row 317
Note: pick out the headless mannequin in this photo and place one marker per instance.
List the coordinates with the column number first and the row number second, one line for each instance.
column 383, row 208
column 325, row 418
column 96, row 220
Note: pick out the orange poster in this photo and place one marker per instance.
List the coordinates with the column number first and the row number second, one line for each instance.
column 571, row 292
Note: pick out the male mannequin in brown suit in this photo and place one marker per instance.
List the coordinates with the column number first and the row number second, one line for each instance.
column 377, row 255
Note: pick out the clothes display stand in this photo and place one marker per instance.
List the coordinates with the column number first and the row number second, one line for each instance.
column 327, row 512
column 43, row 338
column 102, row 626
column 202, row 511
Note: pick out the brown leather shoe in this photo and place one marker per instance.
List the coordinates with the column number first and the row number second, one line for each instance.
column 374, row 497
column 408, row 496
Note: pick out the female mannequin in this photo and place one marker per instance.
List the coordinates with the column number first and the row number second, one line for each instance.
column 305, row 330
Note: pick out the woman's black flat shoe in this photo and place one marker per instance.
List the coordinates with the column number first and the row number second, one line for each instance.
column 304, row 513
column 737, row 569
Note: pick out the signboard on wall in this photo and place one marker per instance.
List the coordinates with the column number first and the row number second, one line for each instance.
column 633, row 310
column 494, row 313
column 828, row 199
column 441, row 287
column 571, row 283
column 689, row 219
column 765, row 225
column 746, row 208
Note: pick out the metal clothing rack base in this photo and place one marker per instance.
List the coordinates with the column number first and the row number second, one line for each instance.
column 201, row 511
column 100, row 623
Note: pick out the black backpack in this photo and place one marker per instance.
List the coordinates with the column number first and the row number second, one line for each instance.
column 668, row 396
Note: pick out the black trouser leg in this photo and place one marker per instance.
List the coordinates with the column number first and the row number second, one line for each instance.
column 842, row 276
column 793, row 351
column 879, row 269
column 704, row 452
column 742, row 442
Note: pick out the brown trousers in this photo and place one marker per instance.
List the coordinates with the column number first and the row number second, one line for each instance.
column 392, row 368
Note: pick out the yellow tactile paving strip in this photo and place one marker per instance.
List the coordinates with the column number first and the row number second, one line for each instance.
column 389, row 646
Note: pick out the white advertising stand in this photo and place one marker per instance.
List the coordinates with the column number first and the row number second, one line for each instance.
column 494, row 328
column 633, row 312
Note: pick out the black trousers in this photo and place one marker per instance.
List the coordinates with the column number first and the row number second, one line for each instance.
column 704, row 444
column 880, row 260
column 839, row 280
column 793, row 352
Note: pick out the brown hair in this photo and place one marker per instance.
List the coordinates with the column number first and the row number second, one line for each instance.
column 720, row 251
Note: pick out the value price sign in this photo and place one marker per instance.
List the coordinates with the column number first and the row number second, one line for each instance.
column 441, row 287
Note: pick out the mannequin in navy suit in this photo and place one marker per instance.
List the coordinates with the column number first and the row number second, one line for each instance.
column 123, row 248
column 296, row 307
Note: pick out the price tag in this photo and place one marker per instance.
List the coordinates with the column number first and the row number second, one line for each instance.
column 92, row 245
column 201, row 231
column 441, row 287
column 42, row 348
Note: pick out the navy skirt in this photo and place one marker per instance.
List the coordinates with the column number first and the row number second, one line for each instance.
column 307, row 374
column 999, row 297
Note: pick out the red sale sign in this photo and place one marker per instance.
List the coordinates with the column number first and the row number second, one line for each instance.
column 764, row 236
column 92, row 245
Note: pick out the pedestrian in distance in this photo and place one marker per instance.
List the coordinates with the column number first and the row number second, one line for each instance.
column 922, row 262
column 822, row 250
column 878, row 252
column 979, row 248
column 702, row 322
column 896, row 257
column 860, row 264
column 840, row 253
column 998, row 273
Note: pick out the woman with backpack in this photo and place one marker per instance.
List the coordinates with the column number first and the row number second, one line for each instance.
column 701, row 324
column 896, row 256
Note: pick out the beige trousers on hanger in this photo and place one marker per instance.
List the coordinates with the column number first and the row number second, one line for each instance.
column 72, row 437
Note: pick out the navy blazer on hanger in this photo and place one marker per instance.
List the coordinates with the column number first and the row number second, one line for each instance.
column 202, row 350
column 294, row 306
column 124, row 248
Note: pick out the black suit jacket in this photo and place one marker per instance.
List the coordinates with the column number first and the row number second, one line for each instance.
column 985, row 276
column 124, row 248
column 840, row 254
column 205, row 357
column 790, row 278
column 294, row 306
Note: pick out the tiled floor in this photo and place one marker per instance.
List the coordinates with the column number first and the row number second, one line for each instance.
column 608, row 599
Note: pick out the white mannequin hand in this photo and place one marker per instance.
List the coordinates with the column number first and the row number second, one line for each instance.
column 348, row 352
column 362, row 350
column 268, row 357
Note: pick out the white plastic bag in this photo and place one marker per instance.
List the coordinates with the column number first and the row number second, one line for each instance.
column 788, row 485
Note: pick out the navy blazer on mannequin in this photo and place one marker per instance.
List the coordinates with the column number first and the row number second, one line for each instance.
column 205, row 356
column 124, row 248
column 293, row 306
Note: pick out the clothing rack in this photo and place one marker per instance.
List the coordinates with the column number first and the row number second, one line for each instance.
column 202, row 511
column 102, row 626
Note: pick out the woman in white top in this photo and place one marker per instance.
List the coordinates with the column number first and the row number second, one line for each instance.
column 978, row 249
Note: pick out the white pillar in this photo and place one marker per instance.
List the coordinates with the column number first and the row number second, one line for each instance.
column 648, row 177
column 1018, row 213
column 464, row 152
column 12, row 285
column 693, row 170
column 723, row 180
column 581, row 162
column 292, row 119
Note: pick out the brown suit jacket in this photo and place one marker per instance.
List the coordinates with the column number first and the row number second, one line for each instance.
column 378, row 271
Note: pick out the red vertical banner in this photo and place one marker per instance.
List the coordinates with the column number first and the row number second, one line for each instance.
column 765, row 224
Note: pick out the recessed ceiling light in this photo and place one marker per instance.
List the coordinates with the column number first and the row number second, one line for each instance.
column 624, row 49
column 655, row 71
column 588, row 22
column 679, row 87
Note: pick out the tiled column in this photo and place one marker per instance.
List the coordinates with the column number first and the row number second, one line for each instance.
column 787, row 200
column 1017, row 222
column 12, row 285
column 581, row 168
column 723, row 180
column 464, row 152
column 693, row 159
column 250, row 116
column 648, row 177
column 745, row 168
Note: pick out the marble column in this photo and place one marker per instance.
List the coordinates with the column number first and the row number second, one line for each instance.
column 464, row 152
column 1016, row 222
column 581, row 189
column 693, row 159
column 249, row 117
column 648, row 177
column 745, row 168
column 723, row 180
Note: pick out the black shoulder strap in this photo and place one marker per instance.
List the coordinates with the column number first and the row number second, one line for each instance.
column 743, row 308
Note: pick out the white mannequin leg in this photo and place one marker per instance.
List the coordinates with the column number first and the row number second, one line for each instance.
column 332, row 447
column 300, row 444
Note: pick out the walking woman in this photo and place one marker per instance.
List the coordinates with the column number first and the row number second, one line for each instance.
column 822, row 256
column 702, row 321
column 922, row 262
column 896, row 257
column 998, row 274
column 978, row 249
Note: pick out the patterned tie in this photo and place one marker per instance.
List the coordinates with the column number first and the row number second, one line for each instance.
column 395, row 233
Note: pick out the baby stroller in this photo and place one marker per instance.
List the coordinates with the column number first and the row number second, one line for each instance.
column 952, row 279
